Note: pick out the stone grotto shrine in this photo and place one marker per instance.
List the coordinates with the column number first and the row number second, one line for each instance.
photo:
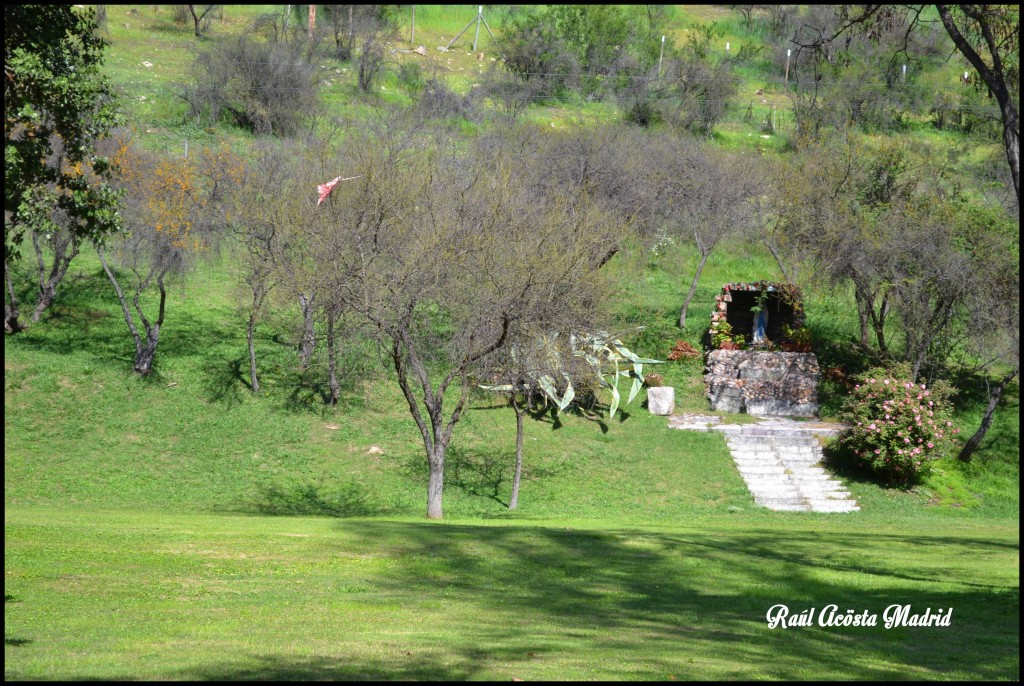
column 758, row 357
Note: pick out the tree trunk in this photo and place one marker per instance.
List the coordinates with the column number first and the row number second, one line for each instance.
column 145, row 354
column 967, row 452
column 61, row 261
column 351, row 31
column 693, row 289
column 513, row 501
column 332, row 378
column 308, row 343
column 195, row 19
column 878, row 323
column 435, row 485
column 11, row 324
column 250, row 332
column 786, row 274
column 863, row 308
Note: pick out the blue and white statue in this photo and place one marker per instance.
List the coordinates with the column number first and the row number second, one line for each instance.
column 761, row 327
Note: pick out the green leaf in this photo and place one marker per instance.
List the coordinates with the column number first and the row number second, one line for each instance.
column 637, row 383
column 569, row 395
column 615, row 402
column 547, row 384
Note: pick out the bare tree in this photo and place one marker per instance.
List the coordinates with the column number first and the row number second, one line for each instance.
column 995, row 30
column 444, row 253
column 63, row 247
column 266, row 86
column 705, row 195
column 992, row 309
column 199, row 13
column 276, row 220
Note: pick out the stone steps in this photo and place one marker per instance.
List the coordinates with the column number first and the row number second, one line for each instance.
column 780, row 461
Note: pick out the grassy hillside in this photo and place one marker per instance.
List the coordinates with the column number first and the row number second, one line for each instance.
column 82, row 429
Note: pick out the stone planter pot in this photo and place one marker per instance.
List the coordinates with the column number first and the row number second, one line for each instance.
column 661, row 400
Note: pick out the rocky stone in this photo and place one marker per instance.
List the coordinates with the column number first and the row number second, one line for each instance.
column 661, row 400
column 770, row 384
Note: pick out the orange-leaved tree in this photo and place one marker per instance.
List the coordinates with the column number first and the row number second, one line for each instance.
column 169, row 212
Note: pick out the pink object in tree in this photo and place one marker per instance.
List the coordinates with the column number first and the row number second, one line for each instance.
column 325, row 189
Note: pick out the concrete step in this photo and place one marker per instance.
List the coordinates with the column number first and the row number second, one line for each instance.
column 748, row 453
column 774, row 450
column 761, row 470
column 790, row 504
column 799, row 459
column 806, row 476
column 788, row 438
column 791, row 439
column 822, row 505
column 780, row 461
column 822, row 492
column 797, row 449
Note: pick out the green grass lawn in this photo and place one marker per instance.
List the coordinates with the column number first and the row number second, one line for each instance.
column 99, row 594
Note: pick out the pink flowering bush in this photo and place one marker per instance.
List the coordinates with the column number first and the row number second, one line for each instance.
column 898, row 428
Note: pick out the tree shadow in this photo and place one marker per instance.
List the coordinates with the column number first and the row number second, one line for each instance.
column 639, row 604
column 634, row 589
column 397, row 665
column 476, row 472
column 223, row 381
column 308, row 499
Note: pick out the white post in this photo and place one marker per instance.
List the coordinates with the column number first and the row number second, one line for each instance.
column 788, row 52
column 726, row 48
column 903, row 77
column 479, row 18
column 661, row 56
column 412, row 35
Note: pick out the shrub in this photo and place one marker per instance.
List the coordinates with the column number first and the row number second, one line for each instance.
column 698, row 94
column 683, row 350
column 654, row 380
column 722, row 337
column 438, row 100
column 268, row 88
column 410, row 75
column 643, row 113
column 897, row 428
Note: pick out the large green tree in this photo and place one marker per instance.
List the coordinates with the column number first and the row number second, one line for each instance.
column 56, row 106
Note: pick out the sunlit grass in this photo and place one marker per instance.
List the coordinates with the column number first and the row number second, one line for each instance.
column 97, row 594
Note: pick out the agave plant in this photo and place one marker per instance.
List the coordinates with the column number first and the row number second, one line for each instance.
column 606, row 358
column 597, row 357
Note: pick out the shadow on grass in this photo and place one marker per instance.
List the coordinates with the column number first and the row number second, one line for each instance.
column 477, row 472
column 224, row 382
column 640, row 604
column 404, row 666
column 307, row 499
column 842, row 462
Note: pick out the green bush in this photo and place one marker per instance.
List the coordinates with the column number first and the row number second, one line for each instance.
column 898, row 429
column 410, row 75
